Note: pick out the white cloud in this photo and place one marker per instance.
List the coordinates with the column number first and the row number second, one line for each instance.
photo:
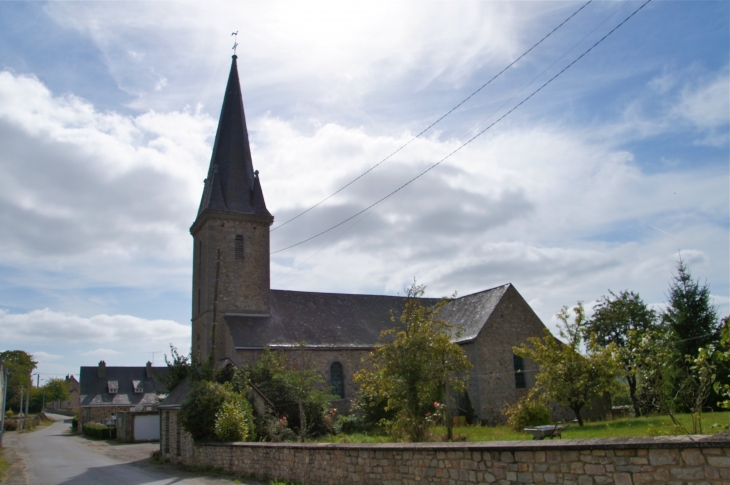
column 42, row 356
column 707, row 104
column 51, row 327
column 97, row 191
column 101, row 353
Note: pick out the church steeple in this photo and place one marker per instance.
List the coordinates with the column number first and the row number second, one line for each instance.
column 231, row 262
column 232, row 185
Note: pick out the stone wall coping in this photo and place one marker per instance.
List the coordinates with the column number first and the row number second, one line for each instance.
column 644, row 442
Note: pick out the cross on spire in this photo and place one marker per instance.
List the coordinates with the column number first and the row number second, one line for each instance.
column 235, row 43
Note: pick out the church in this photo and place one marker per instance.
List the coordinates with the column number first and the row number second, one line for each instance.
column 236, row 313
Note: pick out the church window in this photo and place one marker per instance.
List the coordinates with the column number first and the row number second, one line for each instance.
column 519, row 366
column 239, row 247
column 198, row 300
column 336, row 381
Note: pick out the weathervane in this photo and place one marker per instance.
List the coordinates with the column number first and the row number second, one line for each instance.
column 235, row 44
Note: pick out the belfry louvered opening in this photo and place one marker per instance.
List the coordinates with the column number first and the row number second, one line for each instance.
column 239, row 247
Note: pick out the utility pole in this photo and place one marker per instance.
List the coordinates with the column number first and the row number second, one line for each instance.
column 20, row 421
column 27, row 401
column 5, row 402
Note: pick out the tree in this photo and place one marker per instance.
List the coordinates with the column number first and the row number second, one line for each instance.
column 620, row 319
column 202, row 407
column 567, row 377
column 20, row 365
column 415, row 366
column 690, row 314
column 179, row 367
column 297, row 391
column 56, row 390
column 723, row 358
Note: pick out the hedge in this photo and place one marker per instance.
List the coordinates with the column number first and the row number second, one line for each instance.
column 99, row 431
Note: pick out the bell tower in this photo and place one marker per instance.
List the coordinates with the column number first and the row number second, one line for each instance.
column 230, row 235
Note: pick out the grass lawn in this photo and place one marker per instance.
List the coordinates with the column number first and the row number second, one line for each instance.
column 617, row 428
column 4, row 465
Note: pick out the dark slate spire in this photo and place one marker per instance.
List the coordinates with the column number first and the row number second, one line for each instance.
column 231, row 184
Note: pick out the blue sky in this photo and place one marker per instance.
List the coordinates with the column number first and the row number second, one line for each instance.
column 108, row 112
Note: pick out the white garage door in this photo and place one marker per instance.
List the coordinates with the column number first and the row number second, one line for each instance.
column 147, row 427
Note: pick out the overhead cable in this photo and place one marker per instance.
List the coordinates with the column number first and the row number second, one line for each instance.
column 434, row 123
column 471, row 139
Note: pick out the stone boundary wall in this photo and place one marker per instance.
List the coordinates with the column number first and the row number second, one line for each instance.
column 677, row 460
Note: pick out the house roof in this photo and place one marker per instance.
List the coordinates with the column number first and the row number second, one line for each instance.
column 95, row 390
column 336, row 320
column 232, row 185
column 175, row 399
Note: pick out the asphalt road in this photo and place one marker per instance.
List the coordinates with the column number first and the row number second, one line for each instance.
column 53, row 456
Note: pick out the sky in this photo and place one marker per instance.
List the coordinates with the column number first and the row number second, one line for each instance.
column 596, row 183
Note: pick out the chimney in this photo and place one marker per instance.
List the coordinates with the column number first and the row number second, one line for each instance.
column 102, row 368
column 148, row 370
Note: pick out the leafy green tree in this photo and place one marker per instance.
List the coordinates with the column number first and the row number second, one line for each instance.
column 690, row 314
column 567, row 377
column 620, row 319
column 297, row 391
column 658, row 369
column 414, row 366
column 179, row 368
column 20, row 365
column 198, row 413
column 56, row 390
column 723, row 359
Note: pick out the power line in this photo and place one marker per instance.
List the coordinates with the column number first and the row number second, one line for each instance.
column 434, row 123
column 472, row 138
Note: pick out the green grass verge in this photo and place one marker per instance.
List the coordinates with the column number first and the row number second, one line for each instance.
column 617, row 428
column 4, row 465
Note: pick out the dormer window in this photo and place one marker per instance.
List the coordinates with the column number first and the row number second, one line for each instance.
column 113, row 387
column 138, row 387
column 239, row 247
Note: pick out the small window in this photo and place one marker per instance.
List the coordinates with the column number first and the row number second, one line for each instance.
column 138, row 387
column 239, row 247
column 113, row 387
column 336, row 381
column 519, row 372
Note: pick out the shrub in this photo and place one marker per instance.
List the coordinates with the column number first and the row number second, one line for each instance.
column 198, row 411
column 234, row 420
column 527, row 412
column 9, row 413
column 271, row 428
column 351, row 423
column 99, row 431
column 75, row 423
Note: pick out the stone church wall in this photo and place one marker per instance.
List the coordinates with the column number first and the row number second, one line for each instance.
column 321, row 360
column 510, row 325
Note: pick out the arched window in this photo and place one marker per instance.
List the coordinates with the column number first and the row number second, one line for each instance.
column 519, row 372
column 239, row 247
column 336, row 381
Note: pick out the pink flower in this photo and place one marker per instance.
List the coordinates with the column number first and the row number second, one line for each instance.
column 436, row 404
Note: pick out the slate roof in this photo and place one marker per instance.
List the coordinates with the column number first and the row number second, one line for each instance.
column 175, row 399
column 232, row 185
column 336, row 320
column 94, row 389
